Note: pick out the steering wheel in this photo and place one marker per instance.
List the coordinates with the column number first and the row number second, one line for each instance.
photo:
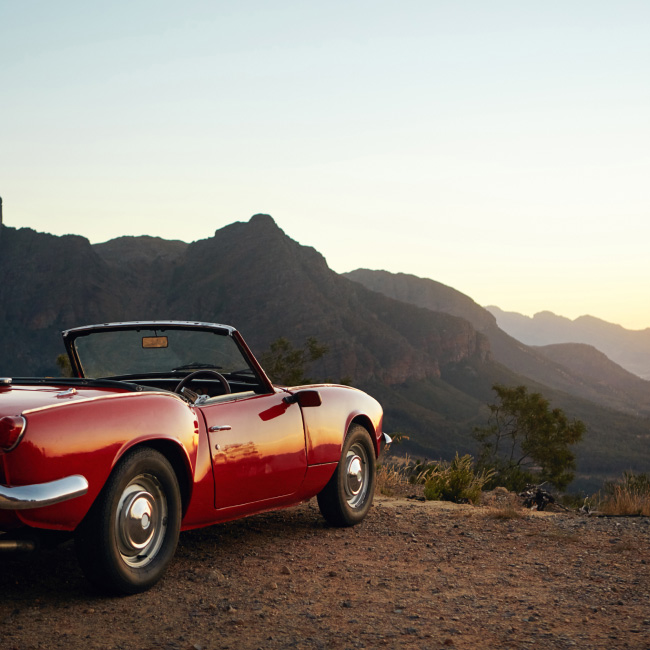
column 202, row 373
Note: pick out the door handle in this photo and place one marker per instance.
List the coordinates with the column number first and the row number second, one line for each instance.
column 223, row 427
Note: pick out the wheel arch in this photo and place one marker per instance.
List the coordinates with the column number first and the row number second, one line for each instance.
column 129, row 536
column 366, row 423
column 177, row 459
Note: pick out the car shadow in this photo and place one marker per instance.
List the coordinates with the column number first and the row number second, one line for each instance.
column 53, row 574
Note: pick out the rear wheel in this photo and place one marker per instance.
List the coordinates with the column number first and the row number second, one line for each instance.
column 347, row 497
column 129, row 536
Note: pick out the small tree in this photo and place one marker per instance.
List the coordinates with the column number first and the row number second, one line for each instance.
column 286, row 365
column 526, row 441
column 63, row 363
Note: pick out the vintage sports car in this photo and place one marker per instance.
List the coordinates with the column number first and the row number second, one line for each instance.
column 168, row 426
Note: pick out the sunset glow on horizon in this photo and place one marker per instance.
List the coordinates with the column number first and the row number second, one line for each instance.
column 499, row 148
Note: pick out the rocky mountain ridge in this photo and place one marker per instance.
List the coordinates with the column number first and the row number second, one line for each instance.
column 600, row 380
column 235, row 277
column 432, row 369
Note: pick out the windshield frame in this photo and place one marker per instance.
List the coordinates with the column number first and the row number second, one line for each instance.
column 71, row 336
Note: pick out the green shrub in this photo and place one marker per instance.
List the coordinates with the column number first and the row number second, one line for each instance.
column 456, row 481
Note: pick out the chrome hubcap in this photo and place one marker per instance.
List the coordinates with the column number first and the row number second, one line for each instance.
column 356, row 475
column 141, row 520
column 137, row 514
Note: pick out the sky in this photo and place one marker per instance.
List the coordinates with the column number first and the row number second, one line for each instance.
column 501, row 148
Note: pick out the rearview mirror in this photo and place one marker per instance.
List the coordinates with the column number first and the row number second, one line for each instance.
column 154, row 342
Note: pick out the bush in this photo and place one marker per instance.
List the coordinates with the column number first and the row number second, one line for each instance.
column 512, row 477
column 419, row 471
column 456, row 481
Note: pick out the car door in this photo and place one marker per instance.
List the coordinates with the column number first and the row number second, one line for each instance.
column 257, row 446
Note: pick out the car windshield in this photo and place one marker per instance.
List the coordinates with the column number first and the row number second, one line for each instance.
column 132, row 352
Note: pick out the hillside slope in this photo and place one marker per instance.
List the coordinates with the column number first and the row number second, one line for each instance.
column 617, row 419
column 603, row 384
column 591, row 364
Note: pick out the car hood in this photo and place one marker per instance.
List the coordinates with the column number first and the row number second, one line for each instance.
column 16, row 399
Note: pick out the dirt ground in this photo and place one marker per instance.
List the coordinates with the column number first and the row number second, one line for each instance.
column 412, row 575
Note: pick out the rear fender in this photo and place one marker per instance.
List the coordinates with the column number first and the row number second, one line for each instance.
column 89, row 438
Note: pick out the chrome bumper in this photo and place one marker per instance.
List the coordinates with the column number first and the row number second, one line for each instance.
column 24, row 497
column 386, row 438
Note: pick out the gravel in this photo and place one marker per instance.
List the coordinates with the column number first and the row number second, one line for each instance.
column 412, row 575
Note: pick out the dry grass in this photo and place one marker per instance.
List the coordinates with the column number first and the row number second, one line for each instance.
column 392, row 481
column 502, row 504
column 624, row 500
column 505, row 511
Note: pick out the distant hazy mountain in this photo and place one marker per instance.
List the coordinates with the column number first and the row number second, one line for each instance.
column 586, row 361
column 629, row 348
column 431, row 364
column 608, row 384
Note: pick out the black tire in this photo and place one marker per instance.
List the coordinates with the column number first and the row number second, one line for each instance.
column 129, row 536
column 347, row 497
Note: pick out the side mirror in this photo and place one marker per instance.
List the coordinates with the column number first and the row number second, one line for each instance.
column 304, row 398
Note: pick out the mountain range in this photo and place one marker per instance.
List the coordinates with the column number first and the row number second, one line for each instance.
column 577, row 369
column 628, row 348
column 429, row 353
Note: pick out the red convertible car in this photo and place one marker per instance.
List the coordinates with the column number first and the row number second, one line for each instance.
column 168, row 426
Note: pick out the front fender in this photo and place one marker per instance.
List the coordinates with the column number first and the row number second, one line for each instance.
column 88, row 438
column 327, row 424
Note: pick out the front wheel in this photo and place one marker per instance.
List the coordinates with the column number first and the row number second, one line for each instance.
column 130, row 534
column 347, row 497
